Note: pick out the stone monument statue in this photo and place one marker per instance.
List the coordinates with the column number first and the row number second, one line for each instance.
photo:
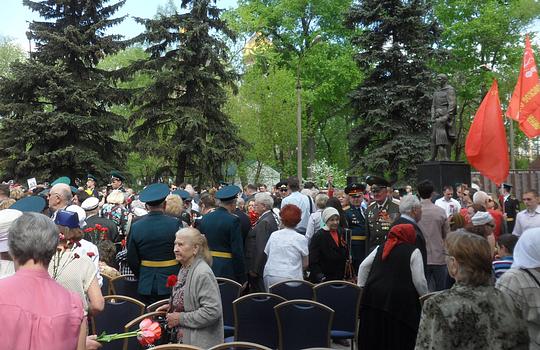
column 443, row 113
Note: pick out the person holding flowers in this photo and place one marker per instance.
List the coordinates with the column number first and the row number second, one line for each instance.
column 74, row 271
column 194, row 310
column 36, row 312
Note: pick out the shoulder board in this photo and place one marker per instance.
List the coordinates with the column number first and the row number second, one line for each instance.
column 372, row 204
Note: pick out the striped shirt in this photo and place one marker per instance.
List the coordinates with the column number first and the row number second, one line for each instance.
column 502, row 265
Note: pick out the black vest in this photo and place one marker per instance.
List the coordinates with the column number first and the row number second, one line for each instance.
column 389, row 286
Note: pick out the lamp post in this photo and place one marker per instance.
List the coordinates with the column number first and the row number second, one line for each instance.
column 299, row 110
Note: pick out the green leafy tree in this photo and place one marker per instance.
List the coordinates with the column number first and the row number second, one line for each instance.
column 478, row 35
column 182, row 106
column 10, row 52
column 392, row 104
column 264, row 111
column 56, row 105
column 311, row 41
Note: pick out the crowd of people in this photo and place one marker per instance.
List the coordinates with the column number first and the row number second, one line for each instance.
column 459, row 269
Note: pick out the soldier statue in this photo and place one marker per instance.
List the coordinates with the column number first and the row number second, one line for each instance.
column 443, row 113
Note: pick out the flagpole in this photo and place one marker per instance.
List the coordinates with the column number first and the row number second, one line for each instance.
column 512, row 158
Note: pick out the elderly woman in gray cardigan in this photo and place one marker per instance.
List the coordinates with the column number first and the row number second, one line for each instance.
column 194, row 309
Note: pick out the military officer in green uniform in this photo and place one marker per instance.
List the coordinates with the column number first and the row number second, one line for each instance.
column 380, row 213
column 91, row 188
column 151, row 245
column 222, row 231
column 356, row 219
column 117, row 181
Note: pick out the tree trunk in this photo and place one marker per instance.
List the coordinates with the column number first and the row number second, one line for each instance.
column 311, row 145
column 181, row 163
column 257, row 172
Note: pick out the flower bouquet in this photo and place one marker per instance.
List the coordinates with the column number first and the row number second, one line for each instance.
column 96, row 233
column 149, row 331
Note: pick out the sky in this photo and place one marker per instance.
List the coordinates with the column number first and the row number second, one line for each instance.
column 14, row 17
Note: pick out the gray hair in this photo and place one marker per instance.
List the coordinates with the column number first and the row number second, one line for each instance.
column 480, row 197
column 33, row 236
column 63, row 191
column 408, row 203
column 265, row 199
column 320, row 200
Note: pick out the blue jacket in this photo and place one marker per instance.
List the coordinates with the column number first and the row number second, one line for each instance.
column 222, row 230
column 152, row 238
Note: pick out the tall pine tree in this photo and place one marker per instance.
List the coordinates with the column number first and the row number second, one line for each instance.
column 182, row 106
column 55, row 107
column 392, row 105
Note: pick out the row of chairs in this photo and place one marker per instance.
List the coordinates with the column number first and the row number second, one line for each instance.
column 121, row 285
column 255, row 317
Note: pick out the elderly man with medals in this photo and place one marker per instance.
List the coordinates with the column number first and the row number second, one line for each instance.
column 381, row 212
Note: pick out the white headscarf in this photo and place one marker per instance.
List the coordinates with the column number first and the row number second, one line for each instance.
column 326, row 215
column 527, row 250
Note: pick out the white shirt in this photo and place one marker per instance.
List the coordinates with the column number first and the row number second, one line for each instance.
column 285, row 249
column 450, row 207
column 314, row 224
column 416, row 265
column 89, row 247
column 302, row 201
column 526, row 220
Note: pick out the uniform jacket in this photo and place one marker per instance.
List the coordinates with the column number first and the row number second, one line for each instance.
column 378, row 222
column 152, row 238
column 222, row 230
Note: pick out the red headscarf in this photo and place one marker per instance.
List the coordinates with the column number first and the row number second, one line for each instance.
column 403, row 233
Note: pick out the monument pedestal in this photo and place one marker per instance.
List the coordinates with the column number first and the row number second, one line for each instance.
column 444, row 173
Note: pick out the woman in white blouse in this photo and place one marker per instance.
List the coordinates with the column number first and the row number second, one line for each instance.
column 287, row 250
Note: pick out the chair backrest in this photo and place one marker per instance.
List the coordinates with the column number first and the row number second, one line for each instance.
column 344, row 298
column 255, row 320
column 229, row 291
column 238, row 345
column 121, row 285
column 175, row 347
column 118, row 311
column 303, row 324
column 425, row 297
column 154, row 306
column 293, row 289
column 133, row 325
column 105, row 287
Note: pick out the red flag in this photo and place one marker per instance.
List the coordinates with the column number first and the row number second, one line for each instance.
column 524, row 105
column 486, row 146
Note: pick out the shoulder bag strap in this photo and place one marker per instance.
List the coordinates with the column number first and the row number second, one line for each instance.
column 533, row 277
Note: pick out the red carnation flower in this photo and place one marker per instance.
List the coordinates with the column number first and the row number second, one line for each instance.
column 171, row 281
column 76, row 256
column 90, row 254
column 98, row 226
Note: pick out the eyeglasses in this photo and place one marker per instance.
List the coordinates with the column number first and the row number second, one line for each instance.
column 283, row 190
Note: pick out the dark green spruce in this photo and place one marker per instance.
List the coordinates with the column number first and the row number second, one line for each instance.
column 182, row 107
column 395, row 42
column 55, row 107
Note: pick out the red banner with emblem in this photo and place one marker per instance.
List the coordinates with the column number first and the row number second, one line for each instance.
column 524, row 105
